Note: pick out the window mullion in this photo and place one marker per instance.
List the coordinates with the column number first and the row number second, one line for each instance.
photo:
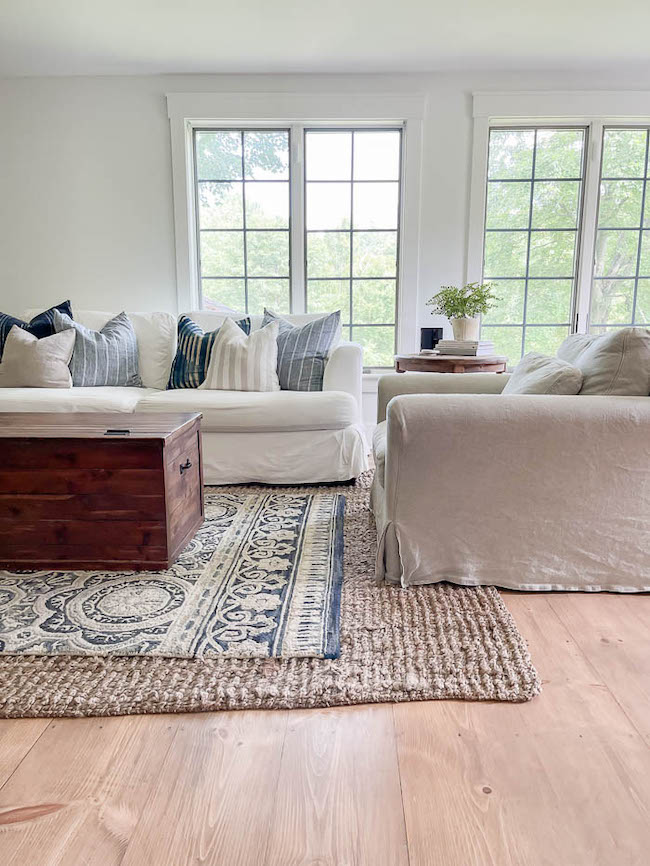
column 297, row 217
column 580, row 319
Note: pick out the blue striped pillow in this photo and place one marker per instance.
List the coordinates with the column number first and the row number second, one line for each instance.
column 303, row 351
column 40, row 326
column 190, row 365
column 106, row 357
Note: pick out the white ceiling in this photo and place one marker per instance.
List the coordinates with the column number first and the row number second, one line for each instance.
column 100, row 37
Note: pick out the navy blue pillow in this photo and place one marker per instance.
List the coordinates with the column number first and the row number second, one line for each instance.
column 40, row 326
column 190, row 365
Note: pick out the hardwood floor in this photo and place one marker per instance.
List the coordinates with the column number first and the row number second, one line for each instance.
column 563, row 779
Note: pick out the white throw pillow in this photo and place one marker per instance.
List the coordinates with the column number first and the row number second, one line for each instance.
column 241, row 362
column 541, row 374
column 28, row 362
column 617, row 362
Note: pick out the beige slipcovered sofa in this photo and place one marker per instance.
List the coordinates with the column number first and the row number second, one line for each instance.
column 280, row 437
column 526, row 492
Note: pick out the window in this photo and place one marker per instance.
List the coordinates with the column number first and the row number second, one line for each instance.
column 243, row 218
column 302, row 218
column 532, row 226
column 621, row 283
column 352, row 195
column 560, row 215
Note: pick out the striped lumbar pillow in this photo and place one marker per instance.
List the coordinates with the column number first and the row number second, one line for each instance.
column 193, row 353
column 303, row 351
column 106, row 357
column 239, row 362
column 40, row 326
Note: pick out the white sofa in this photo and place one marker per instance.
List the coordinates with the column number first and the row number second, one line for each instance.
column 536, row 492
column 285, row 437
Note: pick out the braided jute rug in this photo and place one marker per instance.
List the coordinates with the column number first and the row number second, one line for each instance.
column 420, row 643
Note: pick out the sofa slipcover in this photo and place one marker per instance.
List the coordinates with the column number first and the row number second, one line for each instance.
column 263, row 411
column 283, row 437
column 99, row 399
column 379, row 451
column 527, row 492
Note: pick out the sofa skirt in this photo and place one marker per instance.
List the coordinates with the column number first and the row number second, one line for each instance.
column 300, row 457
column 413, row 554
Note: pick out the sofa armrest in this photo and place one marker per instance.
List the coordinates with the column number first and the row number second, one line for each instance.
column 535, row 492
column 394, row 384
column 343, row 371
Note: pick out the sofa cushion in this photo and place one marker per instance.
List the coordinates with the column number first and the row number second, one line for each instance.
column 379, row 451
column 541, row 374
column 28, row 362
column 259, row 411
column 614, row 363
column 38, row 324
column 156, row 333
column 102, row 399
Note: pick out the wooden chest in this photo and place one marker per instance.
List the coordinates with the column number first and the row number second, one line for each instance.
column 98, row 491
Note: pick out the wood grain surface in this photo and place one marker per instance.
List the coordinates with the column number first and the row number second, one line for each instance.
column 563, row 780
column 84, row 500
column 450, row 363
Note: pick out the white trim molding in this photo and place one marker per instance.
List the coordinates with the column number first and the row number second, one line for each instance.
column 576, row 104
column 189, row 110
column 294, row 107
column 592, row 110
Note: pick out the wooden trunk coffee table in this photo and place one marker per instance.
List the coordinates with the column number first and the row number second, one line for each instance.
column 450, row 363
column 105, row 491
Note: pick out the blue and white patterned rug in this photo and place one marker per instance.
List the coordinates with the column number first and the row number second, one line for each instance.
column 261, row 578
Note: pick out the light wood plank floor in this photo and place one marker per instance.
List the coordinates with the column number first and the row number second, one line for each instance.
column 564, row 779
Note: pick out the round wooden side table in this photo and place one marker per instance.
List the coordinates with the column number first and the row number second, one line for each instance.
column 450, row 363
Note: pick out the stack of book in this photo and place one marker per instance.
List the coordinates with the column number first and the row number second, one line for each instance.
column 465, row 347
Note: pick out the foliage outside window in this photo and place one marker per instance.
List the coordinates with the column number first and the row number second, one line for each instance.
column 352, row 191
column 242, row 191
column 532, row 224
column 351, row 226
column 621, row 285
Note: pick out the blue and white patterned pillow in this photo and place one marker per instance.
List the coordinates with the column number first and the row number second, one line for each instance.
column 190, row 365
column 106, row 357
column 40, row 326
column 303, row 350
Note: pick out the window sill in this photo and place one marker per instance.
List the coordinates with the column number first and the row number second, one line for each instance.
column 370, row 380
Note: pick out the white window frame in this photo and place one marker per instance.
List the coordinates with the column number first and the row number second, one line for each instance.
column 297, row 111
column 593, row 110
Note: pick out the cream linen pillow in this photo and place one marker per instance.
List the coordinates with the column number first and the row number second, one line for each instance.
column 541, row 374
column 239, row 362
column 617, row 362
column 28, row 362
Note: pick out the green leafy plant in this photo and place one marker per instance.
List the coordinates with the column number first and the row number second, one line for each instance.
column 471, row 300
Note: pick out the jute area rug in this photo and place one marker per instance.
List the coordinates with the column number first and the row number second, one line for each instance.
column 420, row 643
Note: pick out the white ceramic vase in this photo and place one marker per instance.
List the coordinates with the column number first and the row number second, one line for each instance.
column 466, row 328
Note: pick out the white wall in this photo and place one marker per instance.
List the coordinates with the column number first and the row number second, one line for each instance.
column 85, row 179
